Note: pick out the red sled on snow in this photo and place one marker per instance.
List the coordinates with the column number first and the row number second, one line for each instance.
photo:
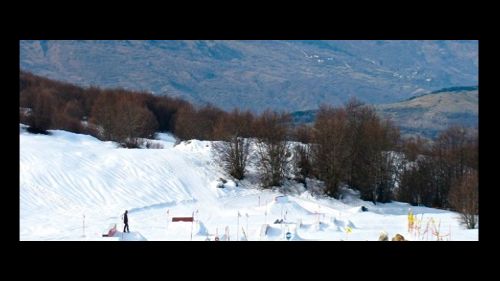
column 110, row 231
column 188, row 219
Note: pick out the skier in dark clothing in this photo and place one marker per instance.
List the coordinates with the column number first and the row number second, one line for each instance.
column 125, row 221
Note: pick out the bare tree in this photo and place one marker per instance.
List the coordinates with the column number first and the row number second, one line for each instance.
column 123, row 118
column 453, row 153
column 302, row 156
column 184, row 123
column 329, row 147
column 233, row 150
column 104, row 115
column 133, row 121
column 384, row 137
column 464, row 197
column 69, row 118
column 302, row 162
column 359, row 147
column 370, row 164
column 413, row 147
column 192, row 123
column 165, row 109
column 40, row 119
column 439, row 168
column 272, row 148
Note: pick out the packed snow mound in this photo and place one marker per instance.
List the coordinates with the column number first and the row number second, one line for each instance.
column 166, row 139
column 129, row 236
column 94, row 173
column 273, row 231
column 287, row 209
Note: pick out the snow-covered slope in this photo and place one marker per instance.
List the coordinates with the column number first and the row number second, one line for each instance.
column 72, row 187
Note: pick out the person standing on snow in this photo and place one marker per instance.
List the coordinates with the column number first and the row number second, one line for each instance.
column 125, row 221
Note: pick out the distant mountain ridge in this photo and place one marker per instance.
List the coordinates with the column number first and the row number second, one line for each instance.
column 457, row 89
column 426, row 115
column 430, row 114
column 290, row 75
column 449, row 90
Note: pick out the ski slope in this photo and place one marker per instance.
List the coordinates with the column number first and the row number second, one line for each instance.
column 73, row 186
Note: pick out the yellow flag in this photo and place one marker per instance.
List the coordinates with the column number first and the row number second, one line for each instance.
column 348, row 229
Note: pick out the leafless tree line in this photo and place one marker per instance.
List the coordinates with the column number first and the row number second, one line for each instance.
column 347, row 145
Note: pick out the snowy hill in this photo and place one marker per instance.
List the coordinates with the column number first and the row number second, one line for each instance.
column 66, row 176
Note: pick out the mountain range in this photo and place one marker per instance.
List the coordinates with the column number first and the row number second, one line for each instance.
column 292, row 75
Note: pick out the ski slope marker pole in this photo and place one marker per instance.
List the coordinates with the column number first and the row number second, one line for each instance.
column 247, row 220
column 192, row 221
column 238, row 227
